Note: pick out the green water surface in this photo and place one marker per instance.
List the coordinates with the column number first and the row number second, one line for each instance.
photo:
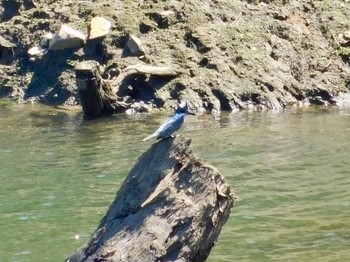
column 59, row 173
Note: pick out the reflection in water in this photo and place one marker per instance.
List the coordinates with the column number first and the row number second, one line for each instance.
column 290, row 170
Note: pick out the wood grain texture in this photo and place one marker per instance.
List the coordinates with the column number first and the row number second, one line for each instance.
column 171, row 207
column 97, row 96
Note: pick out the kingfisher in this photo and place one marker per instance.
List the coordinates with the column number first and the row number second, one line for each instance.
column 171, row 124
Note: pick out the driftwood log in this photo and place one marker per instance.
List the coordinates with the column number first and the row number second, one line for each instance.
column 99, row 97
column 171, row 207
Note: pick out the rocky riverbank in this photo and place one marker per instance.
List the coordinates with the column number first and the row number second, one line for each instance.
column 229, row 55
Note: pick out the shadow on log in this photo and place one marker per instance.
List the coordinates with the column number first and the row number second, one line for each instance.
column 171, row 207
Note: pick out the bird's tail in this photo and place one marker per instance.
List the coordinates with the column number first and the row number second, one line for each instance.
column 149, row 137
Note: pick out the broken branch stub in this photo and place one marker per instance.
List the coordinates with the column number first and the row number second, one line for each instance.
column 171, row 207
column 141, row 69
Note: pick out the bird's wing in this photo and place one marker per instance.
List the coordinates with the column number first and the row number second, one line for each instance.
column 166, row 123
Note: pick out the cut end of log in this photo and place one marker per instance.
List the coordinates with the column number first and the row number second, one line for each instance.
column 171, row 207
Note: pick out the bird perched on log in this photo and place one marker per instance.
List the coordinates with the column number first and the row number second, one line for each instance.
column 171, row 124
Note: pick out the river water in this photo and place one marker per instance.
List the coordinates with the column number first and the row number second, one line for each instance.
column 290, row 170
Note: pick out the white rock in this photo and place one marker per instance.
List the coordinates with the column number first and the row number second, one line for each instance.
column 347, row 35
column 167, row 13
column 36, row 51
column 99, row 27
column 67, row 37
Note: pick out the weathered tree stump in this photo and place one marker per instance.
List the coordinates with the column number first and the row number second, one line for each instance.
column 171, row 207
column 100, row 97
column 96, row 95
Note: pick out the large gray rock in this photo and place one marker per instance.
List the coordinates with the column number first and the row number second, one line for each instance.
column 134, row 45
column 67, row 37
